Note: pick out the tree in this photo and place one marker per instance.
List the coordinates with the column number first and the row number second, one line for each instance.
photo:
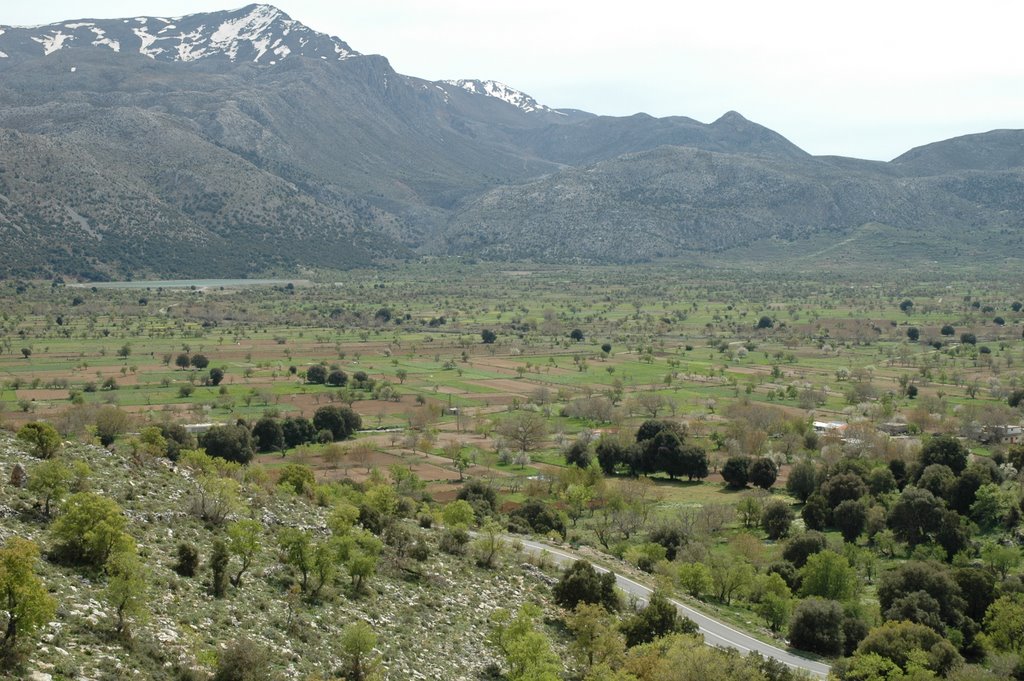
column 945, row 450
column 776, row 518
column 694, row 462
column 828, row 575
column 337, row 378
column 317, row 373
column 1004, row 624
column 915, row 516
column 815, row 512
column 126, row 587
column 357, row 643
column 765, row 322
column 111, row 422
column 695, row 578
column 908, row 644
column 89, row 529
column 182, row 361
column 578, row 454
column 24, row 601
column 576, row 335
column 850, row 517
column 525, row 429
column 526, row 650
column 968, row 339
column 730, row 576
column 798, row 549
column 342, row 422
column 763, row 472
column 230, row 442
column 41, row 437
column 906, row 306
column 297, row 431
column 215, row 498
column 200, row 361
column 216, row 376
column 244, row 542
column 219, row 560
column 913, row 334
column 268, row 435
column 581, row 583
column 734, row 472
column 817, row 627
column 595, row 638
column 50, row 480
column 298, row 477
column 297, row 552
column 659, row 618
column 947, row 330
column 802, row 480
column 488, row 336
column 933, row 578
column 841, row 487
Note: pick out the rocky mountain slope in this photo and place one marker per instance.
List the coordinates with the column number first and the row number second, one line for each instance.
column 237, row 142
column 433, row 626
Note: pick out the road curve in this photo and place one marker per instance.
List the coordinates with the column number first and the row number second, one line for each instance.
column 715, row 633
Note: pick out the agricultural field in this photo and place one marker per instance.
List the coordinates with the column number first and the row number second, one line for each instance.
column 534, row 382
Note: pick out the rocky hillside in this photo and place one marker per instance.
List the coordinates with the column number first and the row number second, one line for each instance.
column 239, row 142
column 431, row 626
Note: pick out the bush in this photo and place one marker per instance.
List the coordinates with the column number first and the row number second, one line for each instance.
column 188, row 560
column 244, row 661
column 41, row 437
column 454, row 540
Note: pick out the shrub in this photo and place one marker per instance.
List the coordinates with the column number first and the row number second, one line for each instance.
column 244, row 661
column 188, row 560
column 41, row 437
column 90, row 528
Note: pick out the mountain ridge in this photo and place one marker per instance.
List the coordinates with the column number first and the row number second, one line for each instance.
column 247, row 133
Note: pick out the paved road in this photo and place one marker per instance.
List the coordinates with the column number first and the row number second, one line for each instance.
column 715, row 633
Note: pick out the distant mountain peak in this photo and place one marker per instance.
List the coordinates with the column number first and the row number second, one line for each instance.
column 731, row 117
column 497, row 90
column 256, row 33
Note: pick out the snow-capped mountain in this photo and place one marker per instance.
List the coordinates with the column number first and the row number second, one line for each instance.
column 500, row 91
column 256, row 33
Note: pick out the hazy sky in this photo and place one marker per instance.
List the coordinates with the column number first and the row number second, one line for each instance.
column 869, row 79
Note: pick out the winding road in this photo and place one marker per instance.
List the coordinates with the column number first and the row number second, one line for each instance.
column 715, row 633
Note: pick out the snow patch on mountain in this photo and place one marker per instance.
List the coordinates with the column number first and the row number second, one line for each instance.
column 257, row 33
column 509, row 95
column 102, row 39
column 146, row 47
column 52, row 43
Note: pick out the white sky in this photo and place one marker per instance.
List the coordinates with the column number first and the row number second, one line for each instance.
column 869, row 79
